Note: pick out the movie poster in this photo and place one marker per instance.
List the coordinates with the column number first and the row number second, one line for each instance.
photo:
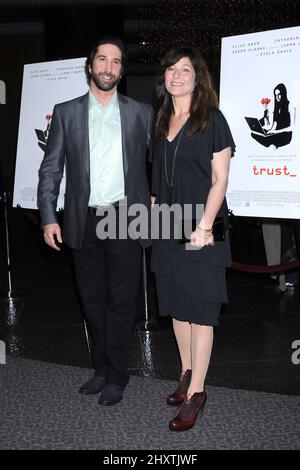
column 260, row 97
column 44, row 85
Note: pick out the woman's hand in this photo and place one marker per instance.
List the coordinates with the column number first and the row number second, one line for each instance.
column 200, row 239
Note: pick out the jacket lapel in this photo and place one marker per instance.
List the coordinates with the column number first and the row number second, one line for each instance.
column 126, row 119
column 83, row 130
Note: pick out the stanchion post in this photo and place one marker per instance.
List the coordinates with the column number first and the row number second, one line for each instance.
column 148, row 323
column 145, row 288
column 9, row 294
column 13, row 301
column 87, row 337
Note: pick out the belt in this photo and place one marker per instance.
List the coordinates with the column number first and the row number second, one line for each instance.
column 93, row 209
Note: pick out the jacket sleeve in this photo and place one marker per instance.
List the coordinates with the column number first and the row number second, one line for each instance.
column 51, row 171
column 150, row 133
column 156, row 172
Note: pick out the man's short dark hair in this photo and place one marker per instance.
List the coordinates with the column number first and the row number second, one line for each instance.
column 115, row 41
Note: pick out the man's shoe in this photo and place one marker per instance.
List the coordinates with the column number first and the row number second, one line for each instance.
column 179, row 395
column 188, row 412
column 94, row 385
column 111, row 395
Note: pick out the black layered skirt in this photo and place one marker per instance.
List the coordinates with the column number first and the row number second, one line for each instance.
column 191, row 285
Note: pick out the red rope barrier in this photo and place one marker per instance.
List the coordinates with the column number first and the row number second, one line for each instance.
column 256, row 268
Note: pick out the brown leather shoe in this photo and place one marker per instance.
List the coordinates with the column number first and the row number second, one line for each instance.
column 179, row 395
column 188, row 412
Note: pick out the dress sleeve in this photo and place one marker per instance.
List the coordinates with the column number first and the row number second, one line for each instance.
column 222, row 137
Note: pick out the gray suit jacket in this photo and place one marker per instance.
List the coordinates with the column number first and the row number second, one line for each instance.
column 68, row 144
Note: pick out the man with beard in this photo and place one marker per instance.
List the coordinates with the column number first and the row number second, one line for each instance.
column 103, row 138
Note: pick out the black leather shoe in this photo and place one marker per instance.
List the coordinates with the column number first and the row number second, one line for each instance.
column 94, row 385
column 111, row 395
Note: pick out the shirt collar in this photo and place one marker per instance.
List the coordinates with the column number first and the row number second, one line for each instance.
column 94, row 102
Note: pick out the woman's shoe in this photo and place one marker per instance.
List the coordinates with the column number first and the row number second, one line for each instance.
column 179, row 395
column 188, row 412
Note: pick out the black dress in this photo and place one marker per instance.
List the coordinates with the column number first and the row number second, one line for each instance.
column 191, row 285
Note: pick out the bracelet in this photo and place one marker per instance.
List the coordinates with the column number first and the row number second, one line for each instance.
column 205, row 233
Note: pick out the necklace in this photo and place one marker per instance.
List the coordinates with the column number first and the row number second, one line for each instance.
column 171, row 184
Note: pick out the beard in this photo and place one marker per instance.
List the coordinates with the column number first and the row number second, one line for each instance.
column 103, row 85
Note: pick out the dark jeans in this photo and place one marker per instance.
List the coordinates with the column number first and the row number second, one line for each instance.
column 108, row 274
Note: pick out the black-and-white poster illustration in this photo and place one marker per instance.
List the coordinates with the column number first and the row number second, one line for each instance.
column 260, row 97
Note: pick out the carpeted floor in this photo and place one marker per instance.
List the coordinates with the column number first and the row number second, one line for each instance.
column 42, row 409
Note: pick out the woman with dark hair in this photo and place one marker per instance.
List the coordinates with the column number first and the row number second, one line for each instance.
column 191, row 159
column 281, row 116
column 280, row 134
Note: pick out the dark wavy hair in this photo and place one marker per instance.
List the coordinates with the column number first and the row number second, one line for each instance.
column 115, row 41
column 204, row 95
column 283, row 105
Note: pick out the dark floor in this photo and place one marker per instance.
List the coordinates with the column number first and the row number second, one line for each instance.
column 253, row 344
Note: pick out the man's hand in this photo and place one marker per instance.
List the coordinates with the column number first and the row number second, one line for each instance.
column 153, row 199
column 50, row 232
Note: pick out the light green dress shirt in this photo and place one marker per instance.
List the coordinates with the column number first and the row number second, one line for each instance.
column 106, row 158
